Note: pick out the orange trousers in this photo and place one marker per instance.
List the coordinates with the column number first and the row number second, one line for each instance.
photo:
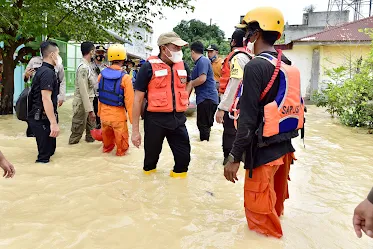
column 265, row 194
column 115, row 133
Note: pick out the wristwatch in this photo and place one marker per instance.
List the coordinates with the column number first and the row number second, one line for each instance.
column 232, row 159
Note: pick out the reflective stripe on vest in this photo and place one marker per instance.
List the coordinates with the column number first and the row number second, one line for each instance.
column 286, row 113
column 167, row 87
column 226, row 70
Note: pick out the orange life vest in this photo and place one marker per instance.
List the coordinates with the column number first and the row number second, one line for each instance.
column 216, row 68
column 226, row 70
column 285, row 115
column 167, row 87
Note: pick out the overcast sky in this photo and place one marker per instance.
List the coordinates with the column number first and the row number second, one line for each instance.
column 226, row 13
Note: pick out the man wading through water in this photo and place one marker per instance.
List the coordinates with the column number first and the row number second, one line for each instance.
column 230, row 81
column 265, row 147
column 97, row 65
column 164, row 81
column 83, row 113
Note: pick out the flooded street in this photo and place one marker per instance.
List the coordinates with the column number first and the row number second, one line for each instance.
column 85, row 199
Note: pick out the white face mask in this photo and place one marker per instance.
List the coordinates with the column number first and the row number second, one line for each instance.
column 59, row 61
column 250, row 47
column 175, row 56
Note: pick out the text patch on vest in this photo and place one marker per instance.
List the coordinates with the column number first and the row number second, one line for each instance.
column 289, row 110
column 182, row 75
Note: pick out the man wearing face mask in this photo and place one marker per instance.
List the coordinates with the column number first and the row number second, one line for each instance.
column 131, row 70
column 206, row 93
column 43, row 117
column 30, row 71
column 85, row 82
column 232, row 74
column 216, row 62
column 97, row 65
column 271, row 114
column 163, row 81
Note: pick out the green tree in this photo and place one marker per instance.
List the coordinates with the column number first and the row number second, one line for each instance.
column 24, row 22
column 195, row 30
column 309, row 9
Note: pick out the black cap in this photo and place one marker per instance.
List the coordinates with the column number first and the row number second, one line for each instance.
column 212, row 47
column 130, row 61
column 238, row 36
column 100, row 48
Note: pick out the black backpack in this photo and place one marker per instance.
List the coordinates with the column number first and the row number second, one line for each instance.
column 22, row 104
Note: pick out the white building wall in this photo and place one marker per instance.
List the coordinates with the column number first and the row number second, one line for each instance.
column 301, row 57
column 140, row 47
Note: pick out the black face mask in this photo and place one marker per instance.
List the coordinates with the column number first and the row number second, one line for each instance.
column 100, row 57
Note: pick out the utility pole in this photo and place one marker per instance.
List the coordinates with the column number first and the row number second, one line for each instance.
column 210, row 30
column 43, row 36
column 370, row 8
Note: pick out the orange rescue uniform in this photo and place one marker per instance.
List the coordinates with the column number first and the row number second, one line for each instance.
column 216, row 68
column 265, row 194
column 114, row 119
column 267, row 190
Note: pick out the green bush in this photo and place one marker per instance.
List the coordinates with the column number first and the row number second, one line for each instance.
column 349, row 96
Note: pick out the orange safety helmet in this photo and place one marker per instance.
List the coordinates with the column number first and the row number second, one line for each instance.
column 97, row 134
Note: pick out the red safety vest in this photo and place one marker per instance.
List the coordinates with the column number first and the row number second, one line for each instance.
column 226, row 70
column 167, row 87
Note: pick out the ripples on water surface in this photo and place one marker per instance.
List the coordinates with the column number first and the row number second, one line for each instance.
column 85, row 199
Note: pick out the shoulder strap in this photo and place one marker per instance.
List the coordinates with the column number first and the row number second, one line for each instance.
column 237, row 51
column 274, row 75
column 80, row 64
column 89, row 69
column 266, row 56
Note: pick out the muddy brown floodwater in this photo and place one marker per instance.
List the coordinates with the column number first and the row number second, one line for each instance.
column 85, row 199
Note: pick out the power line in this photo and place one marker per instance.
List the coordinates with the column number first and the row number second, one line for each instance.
column 360, row 9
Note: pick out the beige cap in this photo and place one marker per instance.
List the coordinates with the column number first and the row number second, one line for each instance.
column 241, row 26
column 171, row 37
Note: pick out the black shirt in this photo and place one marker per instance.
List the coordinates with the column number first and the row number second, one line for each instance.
column 170, row 120
column 257, row 74
column 45, row 79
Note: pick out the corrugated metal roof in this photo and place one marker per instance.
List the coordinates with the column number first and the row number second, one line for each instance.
column 352, row 31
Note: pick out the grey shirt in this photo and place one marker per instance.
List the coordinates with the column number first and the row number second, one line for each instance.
column 101, row 67
column 237, row 63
